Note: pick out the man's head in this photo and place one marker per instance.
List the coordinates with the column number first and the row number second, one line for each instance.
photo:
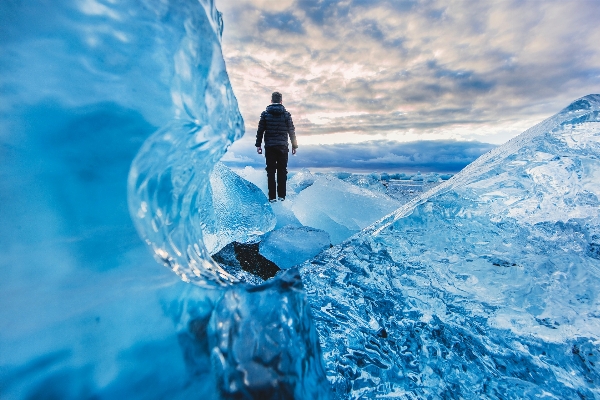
column 276, row 97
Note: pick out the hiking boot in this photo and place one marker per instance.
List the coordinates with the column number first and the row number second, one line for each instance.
column 272, row 200
column 281, row 198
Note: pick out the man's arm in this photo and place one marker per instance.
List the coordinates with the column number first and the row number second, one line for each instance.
column 292, row 132
column 262, row 125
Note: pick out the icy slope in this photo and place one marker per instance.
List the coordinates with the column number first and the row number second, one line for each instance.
column 487, row 286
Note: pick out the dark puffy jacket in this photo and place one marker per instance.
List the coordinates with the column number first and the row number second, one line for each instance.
column 276, row 125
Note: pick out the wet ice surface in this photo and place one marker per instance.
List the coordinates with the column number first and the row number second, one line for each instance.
column 487, row 286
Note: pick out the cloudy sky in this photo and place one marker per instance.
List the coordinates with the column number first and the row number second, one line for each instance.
column 402, row 84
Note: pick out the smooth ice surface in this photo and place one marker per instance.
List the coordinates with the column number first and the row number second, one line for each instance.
column 256, row 176
column 284, row 214
column 300, row 180
column 240, row 211
column 484, row 287
column 340, row 208
column 339, row 203
column 292, row 245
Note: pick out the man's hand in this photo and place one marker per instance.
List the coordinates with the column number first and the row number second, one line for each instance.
column 259, row 150
column 293, row 152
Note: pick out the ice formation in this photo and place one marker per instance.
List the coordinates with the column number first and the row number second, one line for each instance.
column 484, row 287
column 264, row 345
column 338, row 203
column 301, row 180
column 168, row 188
column 239, row 211
column 86, row 312
column 291, row 245
column 340, row 208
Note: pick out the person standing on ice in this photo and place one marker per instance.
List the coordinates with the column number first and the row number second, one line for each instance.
column 276, row 125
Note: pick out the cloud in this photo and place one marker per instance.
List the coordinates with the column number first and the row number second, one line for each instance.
column 285, row 21
column 425, row 67
column 426, row 156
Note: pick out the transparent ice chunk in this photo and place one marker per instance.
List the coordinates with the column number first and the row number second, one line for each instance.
column 340, row 208
column 241, row 210
column 292, row 245
column 300, row 180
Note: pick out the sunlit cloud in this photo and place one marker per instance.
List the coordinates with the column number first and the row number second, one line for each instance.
column 402, row 71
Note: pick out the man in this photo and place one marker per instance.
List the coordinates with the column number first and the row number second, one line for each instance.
column 276, row 125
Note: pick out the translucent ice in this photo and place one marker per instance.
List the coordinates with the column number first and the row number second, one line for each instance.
column 292, row 245
column 86, row 312
column 256, row 176
column 168, row 188
column 484, row 287
column 264, row 345
column 240, row 211
column 301, row 180
column 284, row 214
column 340, row 208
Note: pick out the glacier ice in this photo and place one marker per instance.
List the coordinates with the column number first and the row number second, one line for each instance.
column 340, row 208
column 85, row 311
column 264, row 345
column 301, row 180
column 339, row 203
column 237, row 215
column 484, row 287
column 292, row 245
column 256, row 176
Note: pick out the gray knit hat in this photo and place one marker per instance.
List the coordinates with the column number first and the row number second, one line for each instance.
column 276, row 97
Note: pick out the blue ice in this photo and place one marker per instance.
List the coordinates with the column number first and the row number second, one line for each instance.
column 485, row 286
column 113, row 116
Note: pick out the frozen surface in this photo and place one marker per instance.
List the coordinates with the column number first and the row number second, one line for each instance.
column 340, row 203
column 284, row 214
column 340, row 208
column 292, row 245
column 240, row 211
column 168, row 186
column 484, row 287
column 256, row 176
column 300, row 180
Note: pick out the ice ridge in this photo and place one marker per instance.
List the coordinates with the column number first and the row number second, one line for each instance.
column 169, row 193
column 484, row 287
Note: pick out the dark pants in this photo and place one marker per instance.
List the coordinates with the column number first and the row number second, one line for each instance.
column 277, row 159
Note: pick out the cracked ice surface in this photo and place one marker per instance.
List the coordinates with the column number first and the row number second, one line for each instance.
column 486, row 286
